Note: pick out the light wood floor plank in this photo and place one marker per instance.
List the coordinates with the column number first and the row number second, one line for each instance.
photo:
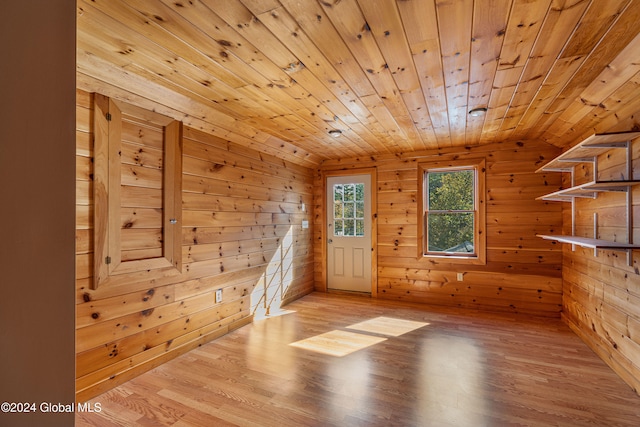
column 461, row 368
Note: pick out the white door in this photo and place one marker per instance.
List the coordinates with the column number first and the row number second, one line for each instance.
column 349, row 233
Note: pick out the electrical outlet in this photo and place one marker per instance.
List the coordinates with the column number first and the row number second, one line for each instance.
column 460, row 277
column 218, row 296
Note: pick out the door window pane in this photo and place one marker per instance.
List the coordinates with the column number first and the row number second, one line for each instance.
column 349, row 227
column 338, row 227
column 337, row 192
column 349, row 192
column 337, row 210
column 348, row 211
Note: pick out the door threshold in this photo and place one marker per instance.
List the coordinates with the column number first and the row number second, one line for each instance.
column 351, row 293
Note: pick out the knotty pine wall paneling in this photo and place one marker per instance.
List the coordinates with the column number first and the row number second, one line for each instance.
column 601, row 294
column 241, row 232
column 522, row 273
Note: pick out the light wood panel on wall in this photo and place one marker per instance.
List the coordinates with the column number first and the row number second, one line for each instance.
column 137, row 177
column 240, row 232
column 522, row 272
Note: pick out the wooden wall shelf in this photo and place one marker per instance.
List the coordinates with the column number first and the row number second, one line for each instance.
column 587, row 152
column 588, row 190
column 587, row 242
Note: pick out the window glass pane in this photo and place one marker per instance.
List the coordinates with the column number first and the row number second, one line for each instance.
column 349, row 210
column 349, row 192
column 359, row 209
column 337, row 229
column 337, row 210
column 349, row 227
column 452, row 190
column 450, row 232
column 337, row 192
column 360, row 192
column 359, row 227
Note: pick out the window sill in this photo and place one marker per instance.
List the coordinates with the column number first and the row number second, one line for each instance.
column 452, row 260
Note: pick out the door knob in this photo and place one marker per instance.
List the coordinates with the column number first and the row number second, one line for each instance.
column 330, row 240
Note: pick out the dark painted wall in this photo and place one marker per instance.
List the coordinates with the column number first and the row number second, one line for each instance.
column 37, row 209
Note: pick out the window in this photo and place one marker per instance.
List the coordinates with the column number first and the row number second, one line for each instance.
column 453, row 213
column 348, row 210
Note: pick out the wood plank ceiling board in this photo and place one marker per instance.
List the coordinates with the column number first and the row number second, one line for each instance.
column 287, row 31
column 561, row 19
column 384, row 22
column 316, row 24
column 349, row 21
column 421, row 29
column 331, row 108
column 524, row 23
column 235, row 15
column 153, row 27
column 394, row 76
column 454, row 23
column 620, row 70
column 489, row 23
column 617, row 24
column 606, row 115
column 347, row 18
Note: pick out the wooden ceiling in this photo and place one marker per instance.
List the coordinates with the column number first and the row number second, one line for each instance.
column 392, row 75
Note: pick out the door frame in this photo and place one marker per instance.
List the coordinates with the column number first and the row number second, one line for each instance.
column 372, row 172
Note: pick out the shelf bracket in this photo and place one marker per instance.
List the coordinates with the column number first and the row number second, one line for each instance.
column 629, row 202
column 573, row 208
column 595, row 232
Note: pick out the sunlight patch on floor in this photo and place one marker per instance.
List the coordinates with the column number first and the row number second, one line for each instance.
column 387, row 326
column 338, row 343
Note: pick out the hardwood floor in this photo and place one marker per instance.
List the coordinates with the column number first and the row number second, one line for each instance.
column 447, row 368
